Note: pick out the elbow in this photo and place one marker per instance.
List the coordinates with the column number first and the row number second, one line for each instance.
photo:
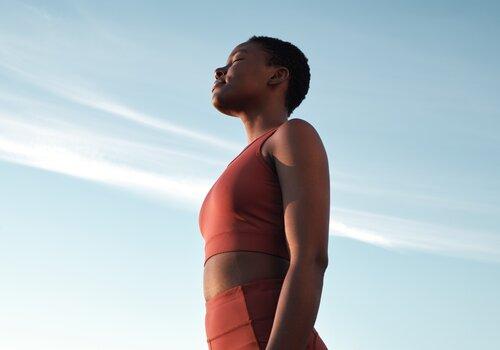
column 317, row 262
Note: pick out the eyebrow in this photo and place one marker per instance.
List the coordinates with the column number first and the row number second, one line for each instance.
column 239, row 50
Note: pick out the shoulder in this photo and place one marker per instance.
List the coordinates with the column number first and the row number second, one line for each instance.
column 296, row 139
column 296, row 125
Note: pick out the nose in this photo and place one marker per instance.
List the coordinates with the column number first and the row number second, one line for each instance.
column 219, row 72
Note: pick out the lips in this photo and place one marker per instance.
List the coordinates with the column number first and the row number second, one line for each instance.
column 217, row 84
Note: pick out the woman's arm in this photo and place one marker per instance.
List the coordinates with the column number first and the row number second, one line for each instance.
column 302, row 167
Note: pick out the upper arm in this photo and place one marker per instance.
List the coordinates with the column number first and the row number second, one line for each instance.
column 302, row 166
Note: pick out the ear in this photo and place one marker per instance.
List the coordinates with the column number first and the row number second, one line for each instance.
column 280, row 75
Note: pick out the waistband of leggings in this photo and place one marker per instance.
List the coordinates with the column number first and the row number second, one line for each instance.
column 252, row 285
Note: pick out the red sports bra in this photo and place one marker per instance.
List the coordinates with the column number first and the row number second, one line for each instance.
column 243, row 211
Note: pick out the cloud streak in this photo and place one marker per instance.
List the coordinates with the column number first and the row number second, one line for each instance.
column 157, row 170
column 88, row 99
column 79, row 154
column 399, row 234
column 106, row 160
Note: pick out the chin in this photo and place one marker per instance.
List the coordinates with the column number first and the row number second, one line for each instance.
column 219, row 103
column 222, row 108
column 218, row 106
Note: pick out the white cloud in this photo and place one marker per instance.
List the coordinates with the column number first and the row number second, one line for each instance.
column 118, row 163
column 155, row 170
column 94, row 158
column 87, row 98
column 398, row 234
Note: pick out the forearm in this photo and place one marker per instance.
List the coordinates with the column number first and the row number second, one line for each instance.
column 297, row 307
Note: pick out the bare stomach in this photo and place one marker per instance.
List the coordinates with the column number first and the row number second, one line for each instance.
column 226, row 270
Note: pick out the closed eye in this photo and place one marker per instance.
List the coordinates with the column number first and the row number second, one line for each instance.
column 236, row 60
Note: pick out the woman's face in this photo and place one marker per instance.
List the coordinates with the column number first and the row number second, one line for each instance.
column 244, row 79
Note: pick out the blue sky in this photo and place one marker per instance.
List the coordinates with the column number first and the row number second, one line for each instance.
column 109, row 143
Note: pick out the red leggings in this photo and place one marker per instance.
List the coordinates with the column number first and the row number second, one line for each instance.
column 241, row 318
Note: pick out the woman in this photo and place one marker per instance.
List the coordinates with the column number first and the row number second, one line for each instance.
column 265, row 220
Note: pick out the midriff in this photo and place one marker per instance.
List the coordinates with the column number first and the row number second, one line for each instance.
column 226, row 270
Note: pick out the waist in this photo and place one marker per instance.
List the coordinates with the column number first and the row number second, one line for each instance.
column 229, row 269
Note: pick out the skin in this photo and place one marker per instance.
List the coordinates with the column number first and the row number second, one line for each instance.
column 255, row 93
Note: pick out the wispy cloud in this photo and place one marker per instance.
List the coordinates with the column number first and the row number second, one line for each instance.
column 108, row 160
column 86, row 98
column 79, row 154
column 399, row 234
column 52, row 144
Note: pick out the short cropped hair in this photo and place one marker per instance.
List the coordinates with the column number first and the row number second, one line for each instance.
column 283, row 53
